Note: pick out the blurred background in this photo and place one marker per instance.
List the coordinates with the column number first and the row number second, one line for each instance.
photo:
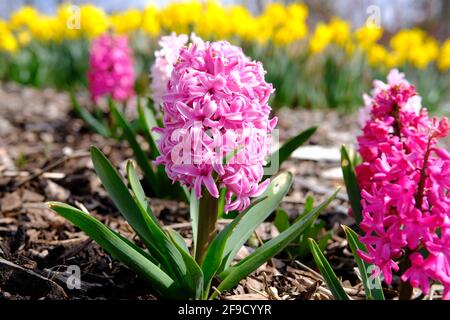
column 318, row 54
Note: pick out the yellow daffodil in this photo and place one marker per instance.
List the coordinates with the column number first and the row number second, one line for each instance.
column 414, row 46
column 69, row 17
column 444, row 57
column 23, row 18
column 126, row 22
column 368, row 35
column 377, row 55
column 181, row 17
column 321, row 38
column 150, row 21
column 23, row 38
column 46, row 28
column 341, row 31
column 7, row 41
column 94, row 21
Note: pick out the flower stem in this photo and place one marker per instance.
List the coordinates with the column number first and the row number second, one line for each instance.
column 207, row 221
column 405, row 289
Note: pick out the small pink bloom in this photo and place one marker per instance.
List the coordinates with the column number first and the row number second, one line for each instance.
column 111, row 68
column 165, row 58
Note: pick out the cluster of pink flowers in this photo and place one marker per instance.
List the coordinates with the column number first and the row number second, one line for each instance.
column 405, row 182
column 217, row 103
column 111, row 68
column 165, row 58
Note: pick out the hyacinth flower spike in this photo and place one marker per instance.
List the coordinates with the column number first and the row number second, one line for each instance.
column 404, row 179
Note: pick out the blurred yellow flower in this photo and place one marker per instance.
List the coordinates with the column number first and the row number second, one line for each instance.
column 23, row 18
column 126, row 22
column 415, row 46
column 150, row 21
column 368, row 35
column 23, row 38
column 444, row 57
column 393, row 60
column 181, row 17
column 7, row 41
column 276, row 12
column 297, row 11
column 46, row 28
column 321, row 38
column 70, row 20
column 94, row 21
column 242, row 23
column 377, row 55
column 341, row 31
column 214, row 22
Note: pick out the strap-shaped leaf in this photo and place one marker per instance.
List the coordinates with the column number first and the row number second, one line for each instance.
column 120, row 249
column 141, row 158
column 178, row 240
column 234, row 274
column 91, row 121
column 194, row 276
column 148, row 122
column 372, row 287
column 327, row 272
column 151, row 234
column 255, row 215
column 351, row 184
column 285, row 151
column 281, row 221
column 141, row 199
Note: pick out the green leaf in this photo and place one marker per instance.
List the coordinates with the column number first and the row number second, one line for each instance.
column 214, row 254
column 194, row 206
column 255, row 215
column 178, row 240
column 281, row 221
column 141, row 157
column 91, row 121
column 372, row 287
column 351, row 184
column 141, row 199
column 194, row 276
column 151, row 234
column 327, row 272
column 309, row 204
column 148, row 122
column 120, row 249
column 221, row 204
column 285, row 151
column 234, row 274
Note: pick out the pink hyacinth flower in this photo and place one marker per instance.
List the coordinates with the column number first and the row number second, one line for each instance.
column 405, row 183
column 111, row 68
column 165, row 58
column 216, row 104
column 394, row 78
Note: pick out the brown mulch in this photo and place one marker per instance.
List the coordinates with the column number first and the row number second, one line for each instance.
column 44, row 156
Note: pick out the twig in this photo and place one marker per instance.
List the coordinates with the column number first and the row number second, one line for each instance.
column 52, row 166
column 318, row 275
column 265, row 295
